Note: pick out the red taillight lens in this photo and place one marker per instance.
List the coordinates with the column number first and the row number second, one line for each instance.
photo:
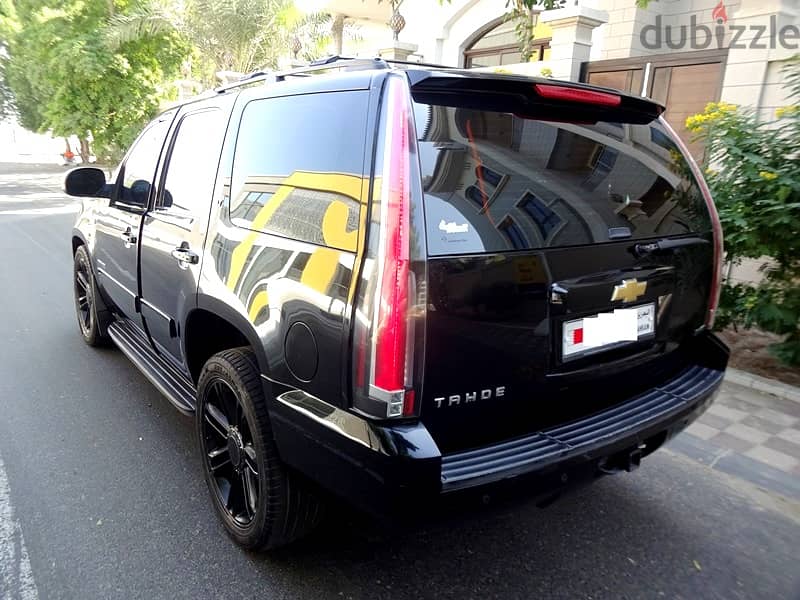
column 569, row 94
column 383, row 329
column 716, row 227
column 389, row 359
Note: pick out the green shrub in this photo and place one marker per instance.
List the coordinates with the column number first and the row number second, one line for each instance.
column 753, row 170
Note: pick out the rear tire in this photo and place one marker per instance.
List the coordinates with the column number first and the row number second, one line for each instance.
column 93, row 317
column 261, row 504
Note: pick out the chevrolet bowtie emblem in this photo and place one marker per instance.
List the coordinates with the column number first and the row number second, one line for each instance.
column 629, row 290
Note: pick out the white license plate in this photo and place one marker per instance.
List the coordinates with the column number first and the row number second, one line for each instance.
column 605, row 330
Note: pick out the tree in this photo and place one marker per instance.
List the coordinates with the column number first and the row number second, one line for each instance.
column 239, row 35
column 66, row 77
column 754, row 175
column 8, row 27
column 226, row 35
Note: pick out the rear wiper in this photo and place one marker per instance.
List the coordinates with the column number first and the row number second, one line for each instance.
column 666, row 245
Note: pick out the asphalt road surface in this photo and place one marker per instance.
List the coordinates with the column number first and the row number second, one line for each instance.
column 101, row 494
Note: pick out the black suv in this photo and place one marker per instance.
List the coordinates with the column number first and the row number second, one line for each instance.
column 399, row 282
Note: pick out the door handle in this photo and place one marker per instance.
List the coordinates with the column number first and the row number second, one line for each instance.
column 128, row 238
column 185, row 256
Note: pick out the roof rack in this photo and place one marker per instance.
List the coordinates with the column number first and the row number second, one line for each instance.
column 322, row 64
column 331, row 62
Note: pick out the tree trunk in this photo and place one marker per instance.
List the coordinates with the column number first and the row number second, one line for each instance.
column 85, row 151
column 337, row 32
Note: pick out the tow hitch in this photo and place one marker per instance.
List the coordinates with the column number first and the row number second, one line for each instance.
column 626, row 460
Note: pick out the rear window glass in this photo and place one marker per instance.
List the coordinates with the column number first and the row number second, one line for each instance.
column 495, row 182
column 298, row 167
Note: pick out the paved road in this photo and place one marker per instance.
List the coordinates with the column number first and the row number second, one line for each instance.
column 101, row 495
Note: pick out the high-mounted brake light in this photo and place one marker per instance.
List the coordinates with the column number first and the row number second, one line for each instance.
column 569, row 94
column 716, row 228
column 384, row 339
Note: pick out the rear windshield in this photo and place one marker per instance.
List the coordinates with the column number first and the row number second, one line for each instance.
column 496, row 182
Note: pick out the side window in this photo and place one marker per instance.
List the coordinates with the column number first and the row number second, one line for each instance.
column 193, row 161
column 140, row 165
column 298, row 167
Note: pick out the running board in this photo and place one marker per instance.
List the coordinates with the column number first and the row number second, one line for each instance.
column 174, row 385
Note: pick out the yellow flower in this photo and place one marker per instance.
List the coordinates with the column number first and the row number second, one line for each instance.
column 785, row 111
column 710, row 171
column 768, row 175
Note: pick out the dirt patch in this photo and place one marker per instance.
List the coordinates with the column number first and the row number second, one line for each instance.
column 749, row 353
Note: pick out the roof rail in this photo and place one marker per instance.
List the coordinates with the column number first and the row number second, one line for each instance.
column 324, row 64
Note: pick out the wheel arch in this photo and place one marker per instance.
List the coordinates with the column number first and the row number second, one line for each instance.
column 230, row 330
column 78, row 239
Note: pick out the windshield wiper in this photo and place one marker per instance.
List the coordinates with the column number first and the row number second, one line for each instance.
column 666, row 245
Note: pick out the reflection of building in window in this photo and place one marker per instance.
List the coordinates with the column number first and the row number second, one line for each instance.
column 476, row 196
column 602, row 163
column 514, row 234
column 500, row 46
column 491, row 177
column 545, row 219
column 659, row 137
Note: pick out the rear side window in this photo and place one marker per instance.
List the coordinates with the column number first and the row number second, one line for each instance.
column 496, row 182
column 298, row 167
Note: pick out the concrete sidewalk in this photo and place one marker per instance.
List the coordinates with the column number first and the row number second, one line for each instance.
column 751, row 431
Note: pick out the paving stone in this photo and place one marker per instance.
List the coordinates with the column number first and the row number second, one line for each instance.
column 730, row 442
column 755, row 397
column 777, row 417
column 762, row 425
column 725, row 412
column 750, row 434
column 787, row 407
column 717, row 422
column 704, row 432
column 786, row 447
column 733, row 401
column 792, row 435
column 773, row 458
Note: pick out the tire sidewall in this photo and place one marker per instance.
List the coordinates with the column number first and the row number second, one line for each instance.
column 90, row 334
column 252, row 535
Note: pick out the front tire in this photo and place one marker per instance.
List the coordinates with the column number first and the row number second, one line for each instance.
column 261, row 504
column 93, row 318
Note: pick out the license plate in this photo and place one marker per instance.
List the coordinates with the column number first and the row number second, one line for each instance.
column 607, row 330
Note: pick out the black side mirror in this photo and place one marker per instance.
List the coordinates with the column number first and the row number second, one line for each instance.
column 138, row 194
column 87, row 181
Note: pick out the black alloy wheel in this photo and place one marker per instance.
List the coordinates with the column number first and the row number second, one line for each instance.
column 83, row 297
column 259, row 501
column 93, row 318
column 229, row 452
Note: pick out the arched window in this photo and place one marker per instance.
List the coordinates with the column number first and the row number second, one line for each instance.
column 499, row 46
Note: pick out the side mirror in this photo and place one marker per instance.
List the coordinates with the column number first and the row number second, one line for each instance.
column 87, row 181
column 138, row 194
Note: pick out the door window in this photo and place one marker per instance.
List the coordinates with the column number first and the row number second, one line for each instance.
column 140, row 165
column 193, row 161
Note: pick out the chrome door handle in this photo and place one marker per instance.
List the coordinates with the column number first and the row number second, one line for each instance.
column 128, row 238
column 184, row 256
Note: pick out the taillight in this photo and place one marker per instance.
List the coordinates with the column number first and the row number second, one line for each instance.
column 716, row 227
column 383, row 332
column 570, row 94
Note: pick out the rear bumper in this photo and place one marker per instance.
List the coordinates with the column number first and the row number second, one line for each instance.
column 386, row 469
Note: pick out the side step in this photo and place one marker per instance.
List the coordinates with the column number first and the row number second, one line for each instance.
column 174, row 385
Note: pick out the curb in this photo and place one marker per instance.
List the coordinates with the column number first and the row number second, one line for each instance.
column 763, row 384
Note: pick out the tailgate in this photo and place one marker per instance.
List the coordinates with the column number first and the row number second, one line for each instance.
column 538, row 230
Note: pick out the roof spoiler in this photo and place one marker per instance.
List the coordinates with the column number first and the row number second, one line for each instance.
column 531, row 98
